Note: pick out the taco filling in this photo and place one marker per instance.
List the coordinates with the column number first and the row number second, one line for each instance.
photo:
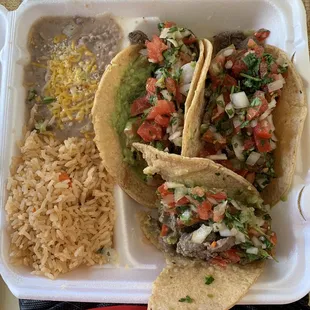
column 156, row 109
column 242, row 89
column 207, row 224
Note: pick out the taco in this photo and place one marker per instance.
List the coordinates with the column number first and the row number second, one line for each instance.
column 216, row 233
column 252, row 113
column 143, row 97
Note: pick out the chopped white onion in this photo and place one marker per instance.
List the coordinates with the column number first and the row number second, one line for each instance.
column 240, row 100
column 177, row 141
column 218, row 136
column 217, row 157
column 174, row 185
column 166, row 95
column 175, row 135
column 221, row 208
column 237, row 143
column 164, row 33
column 281, row 62
column 185, row 88
column 201, row 234
column 236, row 122
column 273, row 86
column 252, row 250
column 173, row 42
column 229, row 64
column 235, row 204
column 230, row 110
column 228, row 52
column 257, row 242
column 272, row 104
column 253, row 123
column 187, row 72
column 212, row 200
column 218, row 226
column 265, row 114
column 179, row 193
column 240, row 237
column 253, row 158
column 226, row 233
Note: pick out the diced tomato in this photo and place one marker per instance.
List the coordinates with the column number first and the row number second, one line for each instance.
column 274, row 68
column 204, row 209
column 218, row 261
column 217, row 115
column 171, row 86
column 139, row 105
column 163, row 190
column 150, row 86
column 163, row 121
column 218, row 217
column 248, row 143
column 263, row 130
column 218, row 196
column 64, row 177
column 273, row 238
column 263, row 68
column 150, row 131
column 251, row 44
column 229, row 81
column 252, row 113
column 217, row 66
column 208, row 149
column 189, row 40
column 263, row 145
column 208, row 136
column 164, row 230
column 163, row 107
column 262, row 34
column 226, row 96
column 250, row 177
column 155, row 49
column 232, row 256
column 169, row 24
column 183, row 201
column 238, row 67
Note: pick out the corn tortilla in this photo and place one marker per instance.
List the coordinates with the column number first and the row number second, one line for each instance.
column 289, row 117
column 106, row 136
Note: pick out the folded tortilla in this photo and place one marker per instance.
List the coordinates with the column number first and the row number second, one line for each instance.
column 289, row 117
column 105, row 108
column 183, row 276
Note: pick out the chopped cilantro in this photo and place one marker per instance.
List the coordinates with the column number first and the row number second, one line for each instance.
column 252, row 63
column 255, row 102
column 186, row 299
column 209, row 280
column 48, row 100
column 198, row 198
column 159, row 146
column 250, row 77
column 32, row 93
column 244, row 124
column 269, row 59
column 152, row 99
column 173, row 29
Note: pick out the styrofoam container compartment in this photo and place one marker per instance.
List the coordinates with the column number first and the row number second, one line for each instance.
column 139, row 262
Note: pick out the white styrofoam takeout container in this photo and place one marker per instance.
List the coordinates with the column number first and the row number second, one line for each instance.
column 140, row 263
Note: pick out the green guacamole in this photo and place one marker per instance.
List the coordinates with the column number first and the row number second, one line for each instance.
column 132, row 86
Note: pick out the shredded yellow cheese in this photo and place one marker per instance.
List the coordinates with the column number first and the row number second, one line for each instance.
column 73, row 80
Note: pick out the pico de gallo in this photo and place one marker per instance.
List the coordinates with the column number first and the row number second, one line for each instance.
column 242, row 90
column 156, row 116
column 207, row 224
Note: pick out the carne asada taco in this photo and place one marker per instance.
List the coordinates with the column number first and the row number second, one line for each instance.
column 254, row 111
column 214, row 232
column 142, row 97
